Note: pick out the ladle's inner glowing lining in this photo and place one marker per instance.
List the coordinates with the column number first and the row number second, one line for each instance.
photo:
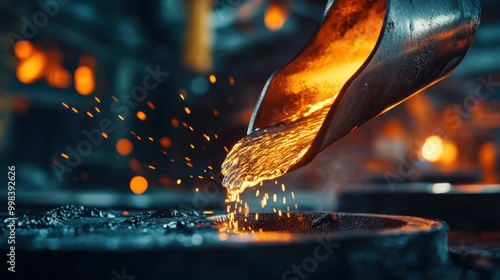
column 304, row 91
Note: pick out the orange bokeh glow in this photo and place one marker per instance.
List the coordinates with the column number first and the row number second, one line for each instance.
column 165, row 142
column 138, row 185
column 134, row 164
column 84, row 80
column 87, row 60
column 124, row 147
column 24, row 49
column 32, row 68
column 58, row 77
column 450, row 153
column 175, row 122
column 20, row 104
column 432, row 150
column 275, row 17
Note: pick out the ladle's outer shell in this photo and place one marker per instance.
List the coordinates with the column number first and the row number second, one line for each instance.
column 422, row 42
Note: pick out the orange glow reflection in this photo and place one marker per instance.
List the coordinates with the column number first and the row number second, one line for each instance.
column 273, row 237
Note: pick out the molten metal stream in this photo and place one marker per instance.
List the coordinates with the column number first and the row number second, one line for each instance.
column 269, row 153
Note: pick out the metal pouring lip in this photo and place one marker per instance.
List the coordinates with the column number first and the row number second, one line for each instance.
column 421, row 43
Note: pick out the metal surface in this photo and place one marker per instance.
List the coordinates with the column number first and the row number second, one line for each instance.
column 88, row 243
column 421, row 42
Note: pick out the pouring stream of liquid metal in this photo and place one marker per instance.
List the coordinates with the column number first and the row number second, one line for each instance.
column 269, row 153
